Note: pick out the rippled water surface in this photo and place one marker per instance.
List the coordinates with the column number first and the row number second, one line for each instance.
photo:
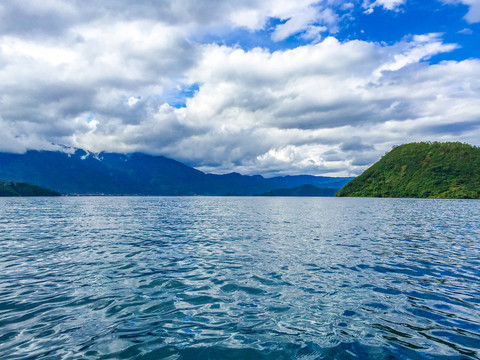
column 239, row 278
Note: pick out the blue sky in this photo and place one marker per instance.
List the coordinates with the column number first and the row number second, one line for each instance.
column 382, row 25
column 255, row 86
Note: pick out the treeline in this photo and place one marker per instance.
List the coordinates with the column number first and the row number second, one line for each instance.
column 422, row 170
column 15, row 188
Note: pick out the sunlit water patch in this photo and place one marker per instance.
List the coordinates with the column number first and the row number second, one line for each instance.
column 239, row 278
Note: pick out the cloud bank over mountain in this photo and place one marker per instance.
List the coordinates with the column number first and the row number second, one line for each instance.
column 270, row 87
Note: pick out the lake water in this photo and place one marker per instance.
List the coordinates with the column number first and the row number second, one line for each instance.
column 239, row 278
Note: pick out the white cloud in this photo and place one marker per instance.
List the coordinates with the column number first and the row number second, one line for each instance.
column 329, row 107
column 314, row 33
column 298, row 22
column 132, row 100
column 420, row 48
column 321, row 108
column 386, row 4
column 473, row 15
column 466, row 31
column 310, row 16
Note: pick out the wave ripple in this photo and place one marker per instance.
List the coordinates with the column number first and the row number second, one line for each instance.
column 239, row 278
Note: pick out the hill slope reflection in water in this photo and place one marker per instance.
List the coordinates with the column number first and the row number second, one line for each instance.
column 239, row 278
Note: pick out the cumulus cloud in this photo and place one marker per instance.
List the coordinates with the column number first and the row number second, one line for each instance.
column 100, row 79
column 323, row 108
column 302, row 103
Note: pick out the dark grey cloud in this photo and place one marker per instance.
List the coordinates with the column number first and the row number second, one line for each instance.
column 364, row 160
column 54, row 18
column 25, row 18
column 355, row 143
column 453, row 129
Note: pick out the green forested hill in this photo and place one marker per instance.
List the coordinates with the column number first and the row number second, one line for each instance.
column 14, row 188
column 421, row 170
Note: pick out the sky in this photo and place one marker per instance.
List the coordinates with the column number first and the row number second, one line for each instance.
column 271, row 87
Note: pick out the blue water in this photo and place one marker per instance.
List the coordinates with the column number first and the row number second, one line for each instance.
column 239, row 278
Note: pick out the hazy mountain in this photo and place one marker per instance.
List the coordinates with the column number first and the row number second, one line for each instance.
column 302, row 190
column 81, row 172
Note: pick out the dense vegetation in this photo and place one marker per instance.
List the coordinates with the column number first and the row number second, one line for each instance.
column 422, row 170
column 13, row 188
column 302, row 190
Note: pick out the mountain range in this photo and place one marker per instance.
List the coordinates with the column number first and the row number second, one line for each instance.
column 302, row 190
column 83, row 172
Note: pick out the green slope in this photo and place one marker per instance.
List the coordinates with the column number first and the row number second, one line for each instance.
column 14, row 188
column 421, row 170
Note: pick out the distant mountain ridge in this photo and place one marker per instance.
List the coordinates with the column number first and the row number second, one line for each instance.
column 448, row 170
column 82, row 172
column 302, row 190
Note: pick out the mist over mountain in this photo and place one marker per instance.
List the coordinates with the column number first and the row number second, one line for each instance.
column 82, row 172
